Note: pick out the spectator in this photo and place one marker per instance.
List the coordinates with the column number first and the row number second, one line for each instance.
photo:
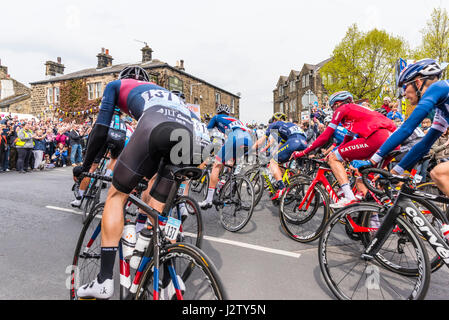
column 24, row 144
column 39, row 149
column 395, row 114
column 425, row 125
column 75, row 143
column 440, row 148
column 386, row 104
column 60, row 156
column 61, row 137
column 310, row 134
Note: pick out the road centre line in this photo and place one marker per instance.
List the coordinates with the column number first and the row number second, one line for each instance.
column 213, row 239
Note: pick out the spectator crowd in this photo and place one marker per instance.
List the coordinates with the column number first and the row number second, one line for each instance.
column 27, row 145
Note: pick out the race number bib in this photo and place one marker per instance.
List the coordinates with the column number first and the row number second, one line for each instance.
column 164, row 98
column 172, row 228
column 201, row 133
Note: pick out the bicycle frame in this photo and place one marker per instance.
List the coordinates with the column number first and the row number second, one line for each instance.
column 404, row 205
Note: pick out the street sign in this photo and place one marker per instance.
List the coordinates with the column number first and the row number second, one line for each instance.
column 308, row 99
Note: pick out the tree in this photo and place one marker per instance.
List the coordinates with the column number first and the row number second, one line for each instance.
column 363, row 63
column 435, row 37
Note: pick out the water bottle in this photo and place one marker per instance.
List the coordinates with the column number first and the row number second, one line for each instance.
column 445, row 232
column 129, row 239
column 181, row 189
column 141, row 245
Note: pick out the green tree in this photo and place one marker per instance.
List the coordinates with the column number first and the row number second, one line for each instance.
column 363, row 63
column 435, row 37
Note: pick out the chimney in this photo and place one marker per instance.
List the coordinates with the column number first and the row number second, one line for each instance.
column 54, row 68
column 180, row 65
column 147, row 53
column 104, row 59
column 3, row 69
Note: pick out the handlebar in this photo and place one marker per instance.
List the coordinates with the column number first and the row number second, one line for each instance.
column 385, row 176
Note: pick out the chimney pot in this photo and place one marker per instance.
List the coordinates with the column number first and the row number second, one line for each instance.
column 59, row 59
column 107, row 51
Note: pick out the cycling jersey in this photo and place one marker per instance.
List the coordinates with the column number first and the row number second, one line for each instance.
column 284, row 131
column 340, row 134
column 225, row 123
column 239, row 137
column 358, row 120
column 436, row 98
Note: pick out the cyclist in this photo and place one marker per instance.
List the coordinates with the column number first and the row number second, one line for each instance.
column 420, row 83
column 238, row 138
column 116, row 140
column 160, row 114
column 372, row 129
column 290, row 137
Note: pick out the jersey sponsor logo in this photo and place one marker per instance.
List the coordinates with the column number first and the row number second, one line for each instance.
column 354, row 147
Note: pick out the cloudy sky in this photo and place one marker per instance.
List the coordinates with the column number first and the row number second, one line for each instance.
column 239, row 45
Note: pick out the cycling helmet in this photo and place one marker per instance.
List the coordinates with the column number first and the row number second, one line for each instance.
column 340, row 96
column 382, row 111
column 134, row 72
column 207, row 117
column 425, row 68
column 223, row 108
column 279, row 116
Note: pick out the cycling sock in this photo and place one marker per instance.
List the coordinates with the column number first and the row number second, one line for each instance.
column 107, row 263
column 140, row 222
column 210, row 194
column 348, row 192
column 108, row 173
column 81, row 193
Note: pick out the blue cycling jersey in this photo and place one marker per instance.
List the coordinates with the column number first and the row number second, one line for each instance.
column 340, row 134
column 435, row 98
column 284, row 130
column 225, row 123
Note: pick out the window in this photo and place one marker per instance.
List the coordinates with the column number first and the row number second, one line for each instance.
column 153, row 78
column 281, row 91
column 281, row 107
column 303, row 81
column 307, row 80
column 293, row 106
column 232, row 105
column 292, row 86
column 56, row 93
column 94, row 90
column 50, row 95
column 175, row 83
column 217, row 98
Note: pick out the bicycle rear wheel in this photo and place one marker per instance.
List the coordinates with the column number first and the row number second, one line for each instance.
column 198, row 188
column 197, row 273
column 257, row 180
column 188, row 211
column 350, row 277
column 236, row 203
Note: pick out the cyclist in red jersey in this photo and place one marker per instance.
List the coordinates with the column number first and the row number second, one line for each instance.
column 367, row 130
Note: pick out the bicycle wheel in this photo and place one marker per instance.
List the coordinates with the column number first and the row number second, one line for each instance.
column 306, row 223
column 395, row 260
column 91, row 199
column 188, row 211
column 236, row 203
column 86, row 260
column 198, row 188
column 350, row 277
column 198, row 274
column 257, row 181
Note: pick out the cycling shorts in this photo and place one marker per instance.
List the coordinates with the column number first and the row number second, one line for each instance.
column 294, row 143
column 158, row 140
column 361, row 148
column 233, row 148
column 115, row 141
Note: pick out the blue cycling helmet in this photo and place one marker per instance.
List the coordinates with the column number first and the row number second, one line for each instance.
column 340, row 96
column 425, row 68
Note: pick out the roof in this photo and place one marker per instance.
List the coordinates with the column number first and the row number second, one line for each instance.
column 153, row 64
column 7, row 101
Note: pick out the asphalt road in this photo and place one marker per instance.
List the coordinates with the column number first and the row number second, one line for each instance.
column 39, row 231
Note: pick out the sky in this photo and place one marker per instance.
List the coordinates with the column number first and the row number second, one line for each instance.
column 242, row 46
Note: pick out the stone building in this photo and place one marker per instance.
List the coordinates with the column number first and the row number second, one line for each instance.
column 15, row 97
column 45, row 94
column 289, row 91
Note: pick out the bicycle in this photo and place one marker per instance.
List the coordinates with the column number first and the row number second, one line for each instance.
column 392, row 254
column 197, row 267
column 234, row 201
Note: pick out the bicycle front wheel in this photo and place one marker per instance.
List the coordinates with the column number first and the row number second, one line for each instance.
column 187, row 210
column 236, row 203
column 351, row 277
column 185, row 273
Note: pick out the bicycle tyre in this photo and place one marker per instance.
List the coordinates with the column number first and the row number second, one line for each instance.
column 196, row 259
column 338, row 250
column 308, row 228
column 258, row 184
column 230, row 197
column 192, row 226
column 93, row 254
